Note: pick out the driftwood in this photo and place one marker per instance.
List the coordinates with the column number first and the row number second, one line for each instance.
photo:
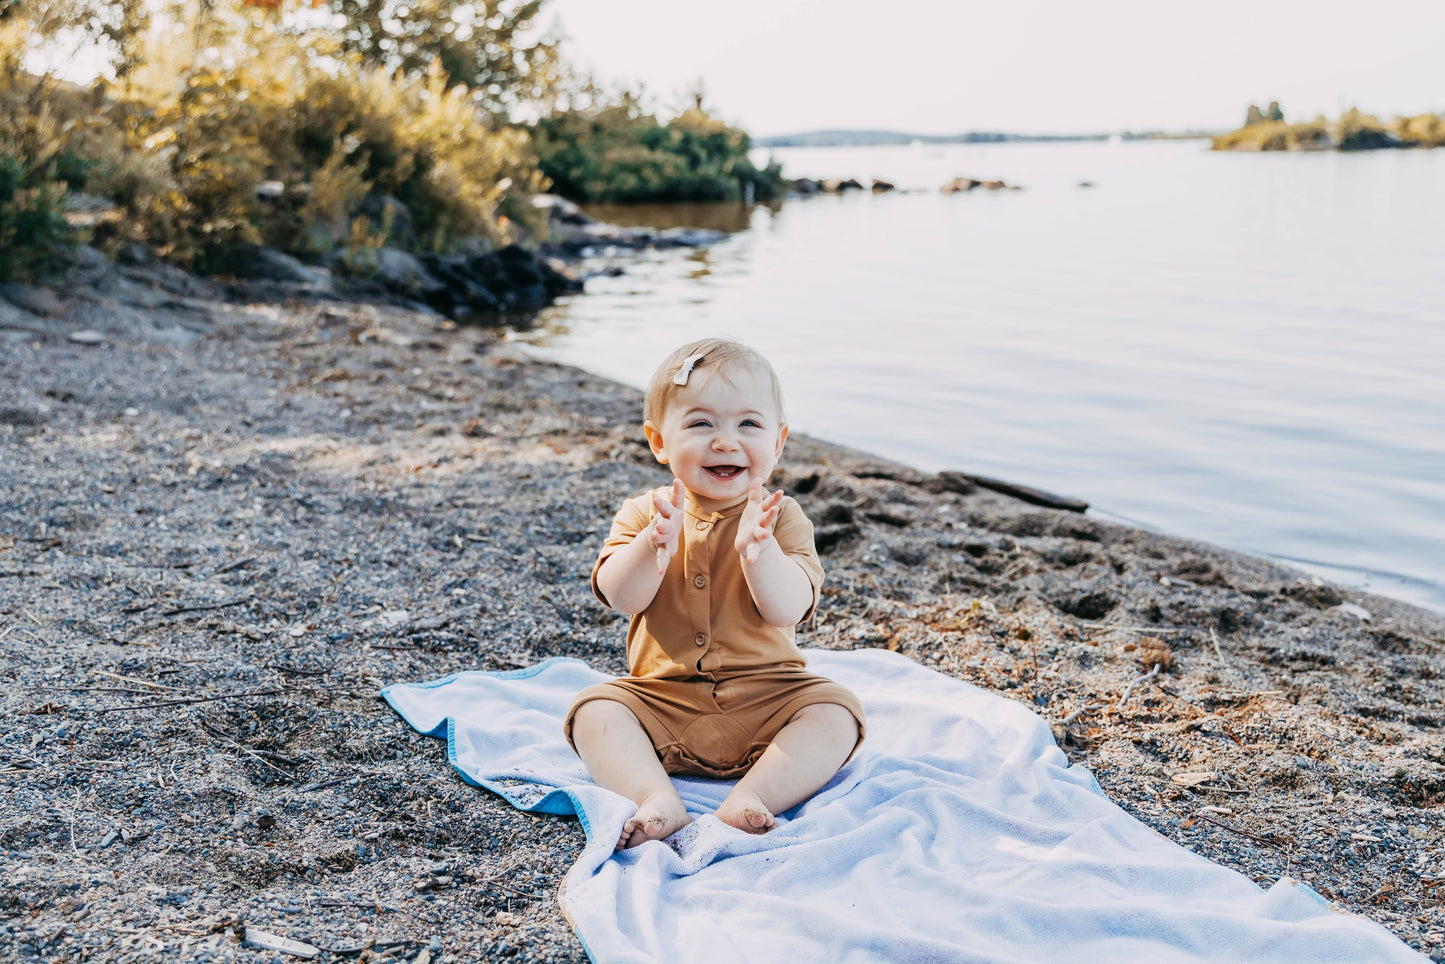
column 1027, row 494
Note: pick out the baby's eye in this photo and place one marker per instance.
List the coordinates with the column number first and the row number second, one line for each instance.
column 751, row 423
column 699, row 423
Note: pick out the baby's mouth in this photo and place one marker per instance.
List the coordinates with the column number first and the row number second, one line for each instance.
column 724, row 472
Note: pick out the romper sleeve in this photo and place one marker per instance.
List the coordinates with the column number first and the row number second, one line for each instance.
column 631, row 519
column 794, row 533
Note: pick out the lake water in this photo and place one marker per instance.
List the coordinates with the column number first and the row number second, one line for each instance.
column 1242, row 348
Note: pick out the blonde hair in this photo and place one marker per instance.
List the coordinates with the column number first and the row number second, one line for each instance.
column 720, row 356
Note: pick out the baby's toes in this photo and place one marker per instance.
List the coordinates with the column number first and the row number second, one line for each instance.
column 760, row 820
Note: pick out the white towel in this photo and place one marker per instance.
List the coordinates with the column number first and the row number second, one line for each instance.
column 959, row 832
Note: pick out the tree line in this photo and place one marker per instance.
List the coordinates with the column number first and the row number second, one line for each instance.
column 310, row 126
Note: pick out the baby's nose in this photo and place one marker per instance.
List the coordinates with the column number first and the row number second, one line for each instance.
column 724, row 442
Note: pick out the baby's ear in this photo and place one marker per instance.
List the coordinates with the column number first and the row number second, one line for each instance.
column 654, row 441
column 782, row 437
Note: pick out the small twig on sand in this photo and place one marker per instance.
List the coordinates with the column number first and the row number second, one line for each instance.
column 96, row 689
column 328, row 783
column 1128, row 690
column 1150, row 630
column 493, row 882
column 296, row 670
column 206, row 607
column 373, row 905
column 132, row 679
column 174, row 928
column 259, row 755
column 1081, row 711
column 1270, row 841
column 1215, row 640
column 197, row 699
column 1137, row 680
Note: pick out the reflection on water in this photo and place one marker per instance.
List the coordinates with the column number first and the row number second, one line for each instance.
column 701, row 267
column 727, row 216
column 1238, row 348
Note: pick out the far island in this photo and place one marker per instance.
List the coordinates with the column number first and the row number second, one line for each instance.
column 1354, row 130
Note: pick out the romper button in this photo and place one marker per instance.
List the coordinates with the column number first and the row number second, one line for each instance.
column 702, row 526
column 700, row 639
column 699, row 581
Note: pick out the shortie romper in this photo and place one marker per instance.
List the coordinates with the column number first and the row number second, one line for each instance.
column 710, row 681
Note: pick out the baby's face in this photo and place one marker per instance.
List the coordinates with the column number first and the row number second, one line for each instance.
column 719, row 433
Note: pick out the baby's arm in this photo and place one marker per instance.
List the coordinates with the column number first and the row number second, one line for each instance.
column 779, row 586
column 629, row 578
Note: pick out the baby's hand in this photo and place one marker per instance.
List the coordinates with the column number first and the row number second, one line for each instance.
column 755, row 528
column 667, row 524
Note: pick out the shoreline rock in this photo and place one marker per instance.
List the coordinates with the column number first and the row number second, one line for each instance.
column 226, row 525
column 574, row 234
column 803, row 187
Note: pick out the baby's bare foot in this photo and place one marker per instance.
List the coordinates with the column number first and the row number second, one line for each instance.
column 745, row 810
column 657, row 817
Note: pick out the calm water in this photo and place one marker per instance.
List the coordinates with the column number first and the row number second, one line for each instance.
column 1246, row 349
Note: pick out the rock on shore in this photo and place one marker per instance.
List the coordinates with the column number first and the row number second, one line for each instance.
column 807, row 186
column 226, row 521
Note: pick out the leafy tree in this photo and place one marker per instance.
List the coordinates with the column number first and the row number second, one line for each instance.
column 403, row 107
column 489, row 46
column 114, row 24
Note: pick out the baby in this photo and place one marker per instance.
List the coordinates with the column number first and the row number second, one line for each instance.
column 715, row 572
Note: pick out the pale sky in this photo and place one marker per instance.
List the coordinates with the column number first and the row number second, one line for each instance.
column 1025, row 66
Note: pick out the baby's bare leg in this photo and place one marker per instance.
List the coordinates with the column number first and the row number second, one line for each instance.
column 803, row 757
column 618, row 754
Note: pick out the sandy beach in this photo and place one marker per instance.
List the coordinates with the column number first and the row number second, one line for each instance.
column 226, row 521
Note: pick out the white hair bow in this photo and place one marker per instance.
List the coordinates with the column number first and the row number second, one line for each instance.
column 682, row 373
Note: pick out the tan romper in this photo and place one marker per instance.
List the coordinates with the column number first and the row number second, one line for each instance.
column 709, row 680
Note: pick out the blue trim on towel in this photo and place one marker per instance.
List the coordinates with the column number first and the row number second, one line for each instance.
column 561, row 802
column 1309, row 891
column 558, row 803
column 523, row 673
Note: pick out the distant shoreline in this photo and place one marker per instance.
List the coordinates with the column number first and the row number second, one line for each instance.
column 878, row 138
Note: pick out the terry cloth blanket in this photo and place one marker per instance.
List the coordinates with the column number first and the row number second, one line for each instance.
column 959, row 832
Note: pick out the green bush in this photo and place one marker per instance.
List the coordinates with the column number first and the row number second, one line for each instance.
column 33, row 229
column 616, row 152
column 414, row 138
